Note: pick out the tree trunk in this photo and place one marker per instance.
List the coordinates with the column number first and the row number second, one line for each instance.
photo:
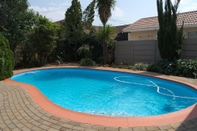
column 105, row 48
column 104, row 53
column 75, row 50
column 13, row 47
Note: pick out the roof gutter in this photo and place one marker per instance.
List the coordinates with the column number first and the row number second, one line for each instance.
column 156, row 28
column 138, row 30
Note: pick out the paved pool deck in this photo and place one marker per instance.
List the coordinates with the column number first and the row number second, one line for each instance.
column 20, row 112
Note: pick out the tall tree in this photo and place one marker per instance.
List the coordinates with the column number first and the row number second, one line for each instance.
column 104, row 10
column 15, row 20
column 106, row 35
column 170, row 37
column 6, row 59
column 88, row 15
column 73, row 25
column 43, row 39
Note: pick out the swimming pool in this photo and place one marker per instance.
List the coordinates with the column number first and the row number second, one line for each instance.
column 109, row 93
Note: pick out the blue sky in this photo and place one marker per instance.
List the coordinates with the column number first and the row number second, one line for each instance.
column 125, row 12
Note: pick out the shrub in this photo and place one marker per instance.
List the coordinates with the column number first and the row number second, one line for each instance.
column 187, row 68
column 140, row 66
column 181, row 67
column 6, row 59
column 87, row 62
column 164, row 67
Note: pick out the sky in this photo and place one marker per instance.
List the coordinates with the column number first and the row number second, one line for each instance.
column 125, row 11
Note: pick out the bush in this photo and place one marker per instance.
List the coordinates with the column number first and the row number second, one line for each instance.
column 164, row 67
column 6, row 59
column 181, row 67
column 140, row 66
column 87, row 62
column 187, row 68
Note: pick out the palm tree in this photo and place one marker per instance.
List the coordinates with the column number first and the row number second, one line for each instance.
column 104, row 10
column 84, row 49
column 106, row 35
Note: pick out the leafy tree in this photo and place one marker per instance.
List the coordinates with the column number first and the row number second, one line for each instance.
column 106, row 35
column 6, row 59
column 15, row 20
column 170, row 38
column 73, row 25
column 28, row 56
column 96, row 47
column 88, row 15
column 43, row 39
column 104, row 10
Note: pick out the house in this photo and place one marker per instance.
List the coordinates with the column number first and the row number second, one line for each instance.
column 146, row 28
column 121, row 36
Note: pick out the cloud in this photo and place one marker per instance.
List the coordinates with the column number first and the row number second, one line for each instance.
column 54, row 12
column 188, row 5
column 52, row 4
column 118, row 12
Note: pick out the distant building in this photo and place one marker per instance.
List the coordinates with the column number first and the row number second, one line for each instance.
column 121, row 36
column 146, row 28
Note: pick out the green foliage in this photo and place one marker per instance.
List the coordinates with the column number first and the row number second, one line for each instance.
column 63, row 51
column 106, row 37
column 170, row 38
column 96, row 47
column 104, row 9
column 84, row 49
column 181, row 67
column 187, row 68
column 87, row 62
column 140, row 66
column 165, row 67
column 28, row 54
column 73, row 25
column 88, row 15
column 6, row 59
column 43, row 39
column 15, row 20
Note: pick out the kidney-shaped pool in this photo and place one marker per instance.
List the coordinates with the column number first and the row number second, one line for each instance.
column 109, row 93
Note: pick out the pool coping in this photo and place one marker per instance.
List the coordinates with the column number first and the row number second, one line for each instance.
column 47, row 105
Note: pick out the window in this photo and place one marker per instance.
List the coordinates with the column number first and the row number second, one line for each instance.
column 192, row 34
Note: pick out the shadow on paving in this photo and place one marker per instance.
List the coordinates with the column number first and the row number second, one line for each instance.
column 188, row 125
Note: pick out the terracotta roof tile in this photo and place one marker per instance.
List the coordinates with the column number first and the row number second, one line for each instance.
column 151, row 23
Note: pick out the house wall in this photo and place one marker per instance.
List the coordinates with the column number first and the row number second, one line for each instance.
column 143, row 35
column 147, row 51
column 186, row 30
column 152, row 34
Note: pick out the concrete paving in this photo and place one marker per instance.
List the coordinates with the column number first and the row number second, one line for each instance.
column 18, row 112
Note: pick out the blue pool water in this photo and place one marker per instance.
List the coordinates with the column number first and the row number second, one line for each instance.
column 109, row 93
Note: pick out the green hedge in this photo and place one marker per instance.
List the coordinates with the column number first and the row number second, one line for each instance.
column 87, row 62
column 181, row 67
column 6, row 59
column 140, row 66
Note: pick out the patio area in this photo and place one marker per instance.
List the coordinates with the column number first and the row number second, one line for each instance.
column 19, row 112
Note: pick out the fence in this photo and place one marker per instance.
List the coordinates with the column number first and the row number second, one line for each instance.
column 147, row 51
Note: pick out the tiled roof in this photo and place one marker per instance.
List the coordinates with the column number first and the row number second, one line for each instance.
column 151, row 23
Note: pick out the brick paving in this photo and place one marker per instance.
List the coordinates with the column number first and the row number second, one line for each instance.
column 18, row 112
